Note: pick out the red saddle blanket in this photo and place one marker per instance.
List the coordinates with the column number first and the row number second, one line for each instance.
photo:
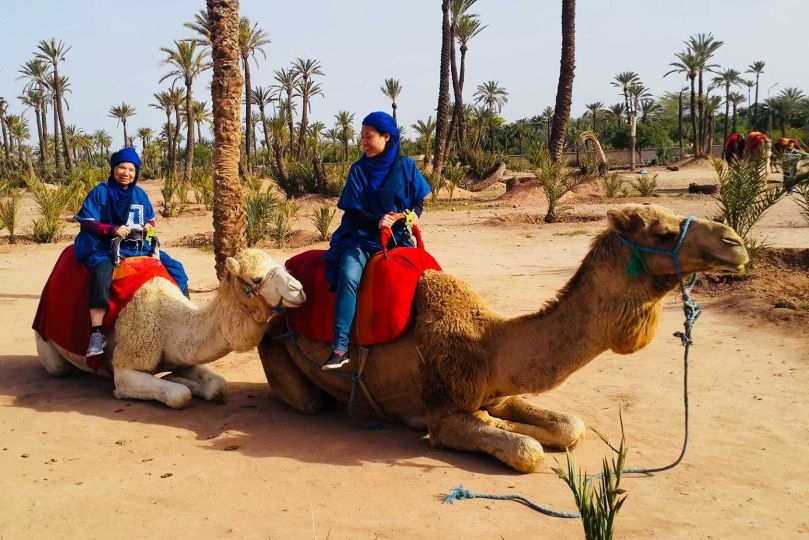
column 63, row 314
column 384, row 302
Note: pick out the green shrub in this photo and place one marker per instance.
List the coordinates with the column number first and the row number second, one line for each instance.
column 480, row 163
column 202, row 184
column 9, row 212
column 612, row 184
column 259, row 207
column 645, row 185
column 322, row 220
column 51, row 203
column 598, row 506
column 285, row 217
column 744, row 197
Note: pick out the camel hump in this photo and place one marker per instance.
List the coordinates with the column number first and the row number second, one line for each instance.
column 439, row 292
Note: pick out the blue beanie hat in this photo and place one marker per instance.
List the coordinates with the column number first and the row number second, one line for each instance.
column 125, row 155
column 384, row 123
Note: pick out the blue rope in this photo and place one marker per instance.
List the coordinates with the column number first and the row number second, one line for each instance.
column 692, row 311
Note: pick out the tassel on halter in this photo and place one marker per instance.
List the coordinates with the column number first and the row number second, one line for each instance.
column 635, row 265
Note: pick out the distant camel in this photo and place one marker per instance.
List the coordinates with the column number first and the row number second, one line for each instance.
column 461, row 370
column 758, row 147
column 734, row 147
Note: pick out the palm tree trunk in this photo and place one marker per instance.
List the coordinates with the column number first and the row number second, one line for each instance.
column 456, row 90
column 60, row 111
column 41, row 139
column 564, row 90
column 126, row 138
column 694, row 132
column 305, row 121
column 680, row 121
column 189, row 140
column 229, row 219
column 44, row 121
column 755, row 106
column 57, row 155
column 248, row 118
column 443, row 92
column 176, row 148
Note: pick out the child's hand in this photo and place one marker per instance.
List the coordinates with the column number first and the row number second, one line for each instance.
column 387, row 221
column 122, row 231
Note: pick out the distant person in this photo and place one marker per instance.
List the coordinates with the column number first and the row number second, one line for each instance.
column 379, row 184
column 112, row 210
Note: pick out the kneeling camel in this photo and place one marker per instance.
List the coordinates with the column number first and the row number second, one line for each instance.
column 160, row 330
column 460, row 370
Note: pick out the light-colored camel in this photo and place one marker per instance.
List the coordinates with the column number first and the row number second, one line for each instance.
column 160, row 330
column 758, row 146
column 460, row 371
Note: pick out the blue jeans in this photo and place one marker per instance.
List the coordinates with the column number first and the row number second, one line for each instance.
column 352, row 264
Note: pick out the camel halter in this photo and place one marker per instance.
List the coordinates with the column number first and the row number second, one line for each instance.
column 253, row 290
column 691, row 310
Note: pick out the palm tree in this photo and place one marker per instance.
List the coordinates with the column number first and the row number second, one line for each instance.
column 145, row 135
column 177, row 97
column 425, row 131
column 287, row 81
column 53, row 52
column 595, row 109
column 201, row 115
column 703, row 47
column 735, row 99
column 727, row 78
column 344, row 120
column 37, row 100
column 18, row 129
column 263, row 97
column 4, row 126
column 122, row 112
column 36, row 71
column 636, row 93
column 201, row 25
column 442, row 109
column 306, row 87
column 757, row 68
column 491, row 96
column 252, row 39
column 624, row 80
column 788, row 102
column 465, row 27
column 392, row 89
column 188, row 63
column 564, row 90
column 103, row 140
column 226, row 86
column 687, row 63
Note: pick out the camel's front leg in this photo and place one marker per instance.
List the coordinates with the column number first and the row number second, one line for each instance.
column 130, row 383
column 201, row 381
column 549, row 428
column 478, row 432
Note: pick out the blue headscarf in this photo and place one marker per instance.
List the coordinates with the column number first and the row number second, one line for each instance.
column 121, row 197
column 378, row 167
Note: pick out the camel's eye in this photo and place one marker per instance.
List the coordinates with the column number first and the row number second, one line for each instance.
column 257, row 280
column 668, row 236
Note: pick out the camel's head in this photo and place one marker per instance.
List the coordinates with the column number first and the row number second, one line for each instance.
column 705, row 246
column 255, row 273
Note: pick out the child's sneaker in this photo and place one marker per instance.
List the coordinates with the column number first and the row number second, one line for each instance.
column 97, row 343
column 337, row 360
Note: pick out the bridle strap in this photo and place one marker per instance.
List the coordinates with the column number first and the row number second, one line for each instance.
column 253, row 290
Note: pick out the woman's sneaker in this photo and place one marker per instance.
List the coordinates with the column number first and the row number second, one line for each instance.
column 97, row 343
column 337, row 360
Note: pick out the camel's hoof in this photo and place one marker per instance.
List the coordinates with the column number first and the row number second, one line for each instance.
column 216, row 391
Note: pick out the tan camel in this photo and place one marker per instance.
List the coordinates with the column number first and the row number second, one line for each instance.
column 460, row 371
column 757, row 147
column 160, row 330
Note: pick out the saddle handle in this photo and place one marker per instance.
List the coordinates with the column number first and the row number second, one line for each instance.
column 386, row 234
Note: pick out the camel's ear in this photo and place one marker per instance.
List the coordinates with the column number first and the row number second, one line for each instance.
column 232, row 266
column 625, row 221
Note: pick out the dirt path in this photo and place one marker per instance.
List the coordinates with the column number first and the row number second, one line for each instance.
column 77, row 463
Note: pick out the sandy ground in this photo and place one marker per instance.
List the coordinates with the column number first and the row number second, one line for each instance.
column 77, row 463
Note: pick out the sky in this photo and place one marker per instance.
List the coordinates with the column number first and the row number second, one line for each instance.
column 115, row 55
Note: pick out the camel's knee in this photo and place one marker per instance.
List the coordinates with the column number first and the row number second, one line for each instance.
column 53, row 362
column 202, row 382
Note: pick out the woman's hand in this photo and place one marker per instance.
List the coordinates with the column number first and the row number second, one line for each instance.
column 387, row 221
column 122, row 231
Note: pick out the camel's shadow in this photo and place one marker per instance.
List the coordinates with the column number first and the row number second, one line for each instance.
column 252, row 422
